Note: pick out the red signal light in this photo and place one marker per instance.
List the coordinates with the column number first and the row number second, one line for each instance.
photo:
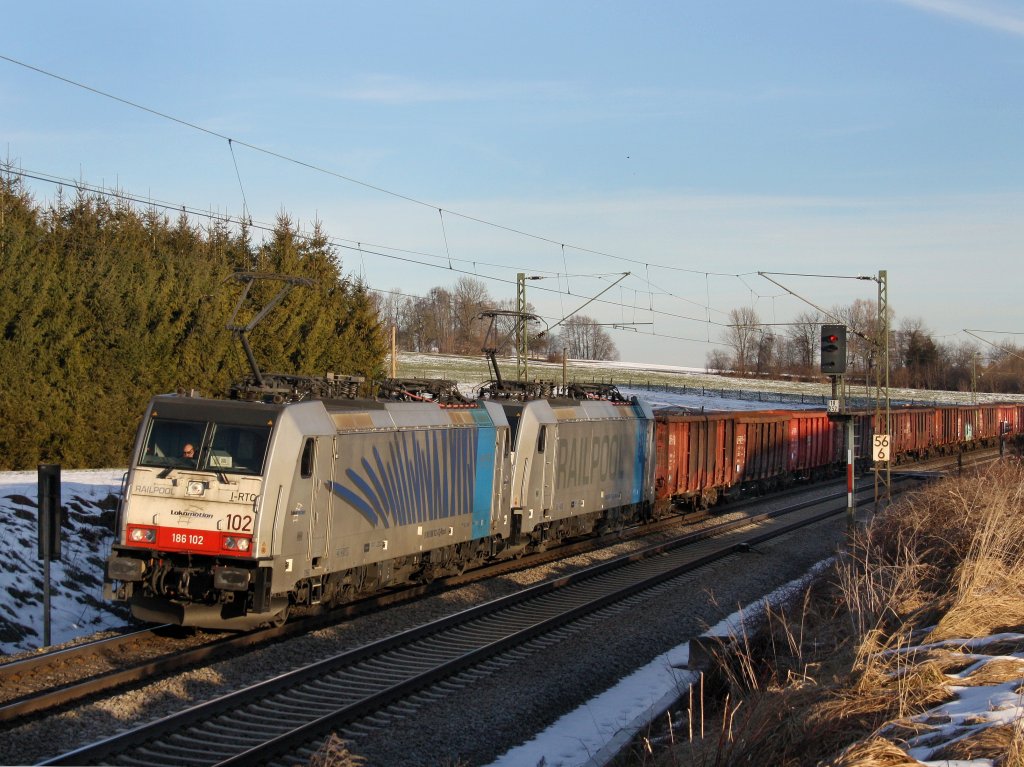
column 833, row 349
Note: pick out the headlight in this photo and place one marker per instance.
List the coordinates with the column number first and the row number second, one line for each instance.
column 195, row 487
column 142, row 535
column 232, row 543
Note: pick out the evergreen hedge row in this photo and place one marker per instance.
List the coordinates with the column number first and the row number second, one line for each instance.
column 103, row 305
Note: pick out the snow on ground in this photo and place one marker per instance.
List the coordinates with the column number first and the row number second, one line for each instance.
column 77, row 608
column 595, row 731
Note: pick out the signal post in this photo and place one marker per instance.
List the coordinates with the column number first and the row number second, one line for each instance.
column 833, row 363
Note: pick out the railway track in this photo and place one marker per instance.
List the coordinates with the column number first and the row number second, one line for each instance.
column 283, row 718
column 52, row 680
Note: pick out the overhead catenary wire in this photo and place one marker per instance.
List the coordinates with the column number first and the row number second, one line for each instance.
column 1003, row 349
column 445, row 234
column 326, row 171
column 358, row 247
column 232, row 141
column 238, row 175
column 319, row 168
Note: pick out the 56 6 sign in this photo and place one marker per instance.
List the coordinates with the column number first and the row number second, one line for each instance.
column 880, row 447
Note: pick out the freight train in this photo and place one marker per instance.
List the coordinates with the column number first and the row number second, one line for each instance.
column 235, row 510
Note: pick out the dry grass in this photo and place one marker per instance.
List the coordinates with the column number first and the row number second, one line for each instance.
column 840, row 678
column 873, row 752
column 334, row 752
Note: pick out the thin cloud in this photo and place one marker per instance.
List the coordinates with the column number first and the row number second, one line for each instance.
column 984, row 14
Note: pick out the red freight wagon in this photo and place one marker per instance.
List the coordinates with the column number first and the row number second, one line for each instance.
column 814, row 443
column 693, row 456
column 967, row 426
column 987, row 424
column 913, row 431
column 761, row 442
column 949, row 427
column 1009, row 418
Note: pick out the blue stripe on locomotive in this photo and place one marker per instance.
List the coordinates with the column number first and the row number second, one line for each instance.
column 425, row 476
column 640, row 464
column 484, row 485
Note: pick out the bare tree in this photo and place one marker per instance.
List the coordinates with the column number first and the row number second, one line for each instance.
column 804, row 336
column 742, row 336
column 584, row 339
column 396, row 310
column 717, row 361
column 861, row 318
column 434, row 322
column 962, row 365
column 766, row 351
column 469, row 298
column 917, row 353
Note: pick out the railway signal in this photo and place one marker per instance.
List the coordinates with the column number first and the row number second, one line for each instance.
column 833, row 349
column 833, row 362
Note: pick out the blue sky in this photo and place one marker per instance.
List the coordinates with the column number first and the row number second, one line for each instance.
column 690, row 143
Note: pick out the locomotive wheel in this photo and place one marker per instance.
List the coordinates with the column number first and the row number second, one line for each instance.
column 280, row 617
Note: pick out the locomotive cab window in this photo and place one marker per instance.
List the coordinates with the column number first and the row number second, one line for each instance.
column 237, row 449
column 205, row 446
column 513, row 414
column 173, row 443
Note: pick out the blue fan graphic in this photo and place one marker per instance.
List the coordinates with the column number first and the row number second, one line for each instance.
column 421, row 476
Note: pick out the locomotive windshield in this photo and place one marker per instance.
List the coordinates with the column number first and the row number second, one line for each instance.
column 205, row 446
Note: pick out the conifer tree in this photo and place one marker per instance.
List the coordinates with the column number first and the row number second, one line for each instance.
column 102, row 305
